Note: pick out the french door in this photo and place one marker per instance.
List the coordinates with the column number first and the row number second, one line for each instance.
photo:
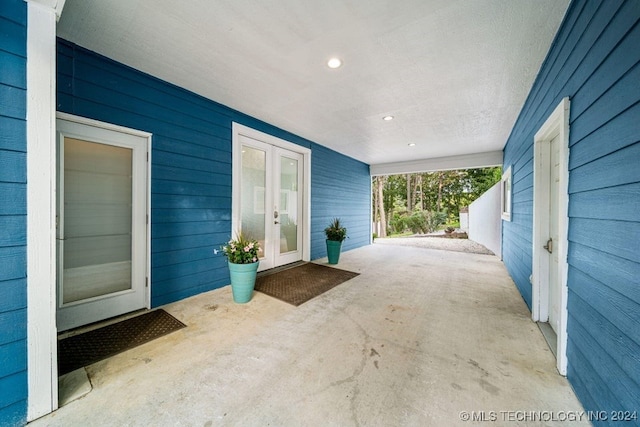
column 270, row 198
column 101, row 223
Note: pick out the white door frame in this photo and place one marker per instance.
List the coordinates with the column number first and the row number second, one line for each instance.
column 116, row 136
column 556, row 125
column 238, row 130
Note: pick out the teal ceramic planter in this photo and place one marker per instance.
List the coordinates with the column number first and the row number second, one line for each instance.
column 333, row 251
column 243, row 279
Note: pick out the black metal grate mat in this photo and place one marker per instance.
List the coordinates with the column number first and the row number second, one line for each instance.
column 84, row 349
column 300, row 284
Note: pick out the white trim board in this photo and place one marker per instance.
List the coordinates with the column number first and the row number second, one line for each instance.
column 557, row 125
column 506, row 195
column 466, row 161
column 237, row 130
column 42, row 372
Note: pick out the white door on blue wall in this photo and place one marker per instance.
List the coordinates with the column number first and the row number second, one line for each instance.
column 271, row 201
column 101, row 218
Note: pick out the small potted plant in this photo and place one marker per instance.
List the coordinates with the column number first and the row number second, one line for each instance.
column 336, row 234
column 242, row 254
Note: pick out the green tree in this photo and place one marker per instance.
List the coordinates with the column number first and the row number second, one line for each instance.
column 406, row 196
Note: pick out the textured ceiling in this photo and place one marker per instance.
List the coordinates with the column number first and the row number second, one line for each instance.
column 453, row 73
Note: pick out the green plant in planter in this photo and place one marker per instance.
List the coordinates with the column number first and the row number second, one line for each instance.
column 242, row 253
column 241, row 250
column 336, row 234
column 335, row 231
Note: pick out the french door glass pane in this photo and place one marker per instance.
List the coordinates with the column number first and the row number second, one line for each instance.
column 288, row 204
column 254, row 169
column 97, row 219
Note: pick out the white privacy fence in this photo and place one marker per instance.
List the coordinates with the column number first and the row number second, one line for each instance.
column 485, row 223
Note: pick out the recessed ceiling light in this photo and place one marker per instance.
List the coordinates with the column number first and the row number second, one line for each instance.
column 387, row 118
column 334, row 63
column 411, row 144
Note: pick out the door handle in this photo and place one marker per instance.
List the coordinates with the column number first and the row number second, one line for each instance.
column 549, row 245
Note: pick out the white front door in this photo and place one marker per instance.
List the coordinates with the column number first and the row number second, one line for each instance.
column 101, row 223
column 554, row 278
column 271, row 200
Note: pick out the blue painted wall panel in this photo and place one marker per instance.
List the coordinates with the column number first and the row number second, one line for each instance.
column 12, row 364
column 13, row 70
column 620, row 132
column 13, row 167
column 621, row 275
column 17, row 384
column 13, row 295
column 13, row 145
column 620, row 355
column 191, row 169
column 595, row 61
column 13, row 136
column 340, row 188
column 13, row 30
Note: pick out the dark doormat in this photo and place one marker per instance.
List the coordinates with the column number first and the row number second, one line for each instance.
column 300, row 284
column 84, row 349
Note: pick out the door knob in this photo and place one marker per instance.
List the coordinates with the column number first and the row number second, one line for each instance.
column 549, row 245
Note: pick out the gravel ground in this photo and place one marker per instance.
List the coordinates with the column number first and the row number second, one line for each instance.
column 432, row 242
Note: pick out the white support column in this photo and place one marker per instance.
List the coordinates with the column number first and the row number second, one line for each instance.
column 41, row 187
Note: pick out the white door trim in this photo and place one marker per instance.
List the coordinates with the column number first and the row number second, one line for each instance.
column 238, row 130
column 556, row 125
column 42, row 360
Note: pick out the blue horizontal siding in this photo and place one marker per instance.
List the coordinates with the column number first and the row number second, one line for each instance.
column 14, row 262
column 13, row 167
column 620, row 203
column 13, row 205
column 13, row 365
column 193, row 241
column 14, row 197
column 13, row 102
column 619, row 132
column 341, row 188
column 619, row 274
column 595, row 61
column 17, row 383
column 13, row 326
column 14, row 230
column 13, row 70
column 191, row 169
column 615, row 169
column 613, row 237
column 620, row 355
column 13, row 28
column 14, row 134
column 13, row 295
column 186, row 229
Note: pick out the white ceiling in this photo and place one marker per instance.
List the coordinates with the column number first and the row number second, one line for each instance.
column 454, row 74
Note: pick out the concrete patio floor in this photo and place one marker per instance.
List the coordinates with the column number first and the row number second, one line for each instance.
column 421, row 337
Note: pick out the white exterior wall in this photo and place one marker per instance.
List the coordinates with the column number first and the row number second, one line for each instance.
column 485, row 223
column 464, row 221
